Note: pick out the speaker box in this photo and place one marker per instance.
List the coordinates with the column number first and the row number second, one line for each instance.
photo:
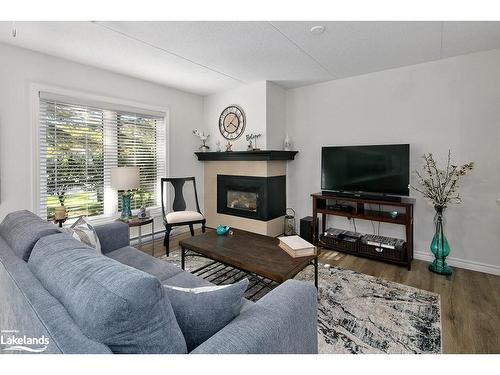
column 306, row 228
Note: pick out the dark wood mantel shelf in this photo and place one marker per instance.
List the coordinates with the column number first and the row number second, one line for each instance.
column 260, row 155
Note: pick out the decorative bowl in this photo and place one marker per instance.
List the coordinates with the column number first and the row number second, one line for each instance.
column 222, row 230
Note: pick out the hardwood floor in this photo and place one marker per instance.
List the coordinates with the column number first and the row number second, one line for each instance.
column 470, row 301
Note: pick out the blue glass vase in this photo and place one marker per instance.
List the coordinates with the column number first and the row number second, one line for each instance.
column 126, row 211
column 439, row 245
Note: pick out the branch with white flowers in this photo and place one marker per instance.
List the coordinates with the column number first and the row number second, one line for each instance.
column 438, row 185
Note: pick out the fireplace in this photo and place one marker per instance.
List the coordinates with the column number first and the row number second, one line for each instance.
column 260, row 198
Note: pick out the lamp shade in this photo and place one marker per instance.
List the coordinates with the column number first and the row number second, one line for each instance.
column 125, row 178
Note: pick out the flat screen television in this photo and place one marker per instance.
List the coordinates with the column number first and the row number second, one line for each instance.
column 377, row 169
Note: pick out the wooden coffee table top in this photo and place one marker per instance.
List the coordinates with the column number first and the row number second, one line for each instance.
column 248, row 251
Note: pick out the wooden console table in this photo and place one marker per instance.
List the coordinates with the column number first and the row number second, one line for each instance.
column 320, row 206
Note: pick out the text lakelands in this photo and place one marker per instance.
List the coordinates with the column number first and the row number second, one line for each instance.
column 23, row 340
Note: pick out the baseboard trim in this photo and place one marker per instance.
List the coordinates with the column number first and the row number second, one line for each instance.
column 158, row 235
column 462, row 263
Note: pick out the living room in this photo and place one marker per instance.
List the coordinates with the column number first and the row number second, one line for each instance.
column 265, row 185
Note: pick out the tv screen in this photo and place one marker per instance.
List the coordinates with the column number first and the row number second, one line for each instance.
column 383, row 169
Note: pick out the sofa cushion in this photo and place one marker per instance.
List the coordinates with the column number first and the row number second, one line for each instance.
column 22, row 229
column 122, row 307
column 186, row 279
column 202, row 312
column 144, row 262
column 113, row 236
column 183, row 216
column 31, row 311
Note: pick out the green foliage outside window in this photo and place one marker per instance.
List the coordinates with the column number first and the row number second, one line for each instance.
column 74, row 161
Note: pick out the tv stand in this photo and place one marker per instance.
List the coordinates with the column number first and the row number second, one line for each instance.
column 363, row 196
column 403, row 256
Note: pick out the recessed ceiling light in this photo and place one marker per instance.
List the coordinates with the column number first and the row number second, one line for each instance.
column 316, row 30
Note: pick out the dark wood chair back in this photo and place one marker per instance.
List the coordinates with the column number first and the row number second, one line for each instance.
column 179, row 203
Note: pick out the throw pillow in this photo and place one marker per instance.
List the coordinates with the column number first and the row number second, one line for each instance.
column 202, row 312
column 84, row 232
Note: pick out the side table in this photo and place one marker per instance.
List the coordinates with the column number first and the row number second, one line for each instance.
column 136, row 222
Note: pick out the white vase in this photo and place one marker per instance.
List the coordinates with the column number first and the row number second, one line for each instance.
column 287, row 144
column 60, row 213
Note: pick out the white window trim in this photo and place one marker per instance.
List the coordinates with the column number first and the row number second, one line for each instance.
column 35, row 89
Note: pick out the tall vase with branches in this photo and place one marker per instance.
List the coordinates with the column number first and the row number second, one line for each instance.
column 441, row 187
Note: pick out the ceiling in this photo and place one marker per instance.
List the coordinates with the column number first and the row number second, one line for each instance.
column 208, row 57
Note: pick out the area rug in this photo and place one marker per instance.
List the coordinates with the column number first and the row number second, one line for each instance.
column 358, row 313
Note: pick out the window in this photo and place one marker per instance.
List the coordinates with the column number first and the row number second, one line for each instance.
column 136, row 147
column 80, row 143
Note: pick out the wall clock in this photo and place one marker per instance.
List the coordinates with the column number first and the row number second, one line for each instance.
column 232, row 122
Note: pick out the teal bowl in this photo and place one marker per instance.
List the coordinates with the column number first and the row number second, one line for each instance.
column 222, row 230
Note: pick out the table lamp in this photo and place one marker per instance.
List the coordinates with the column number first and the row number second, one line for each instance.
column 125, row 179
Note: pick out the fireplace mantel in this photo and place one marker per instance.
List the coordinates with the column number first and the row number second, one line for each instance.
column 260, row 155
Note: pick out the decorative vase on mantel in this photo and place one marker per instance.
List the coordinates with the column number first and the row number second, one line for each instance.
column 439, row 245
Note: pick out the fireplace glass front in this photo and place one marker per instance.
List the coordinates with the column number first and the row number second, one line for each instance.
column 242, row 200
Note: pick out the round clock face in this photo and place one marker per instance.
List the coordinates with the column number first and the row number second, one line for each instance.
column 232, row 122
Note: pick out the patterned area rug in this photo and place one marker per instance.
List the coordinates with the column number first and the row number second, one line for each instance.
column 358, row 313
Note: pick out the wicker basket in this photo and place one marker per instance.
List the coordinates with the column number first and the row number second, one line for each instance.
column 334, row 242
column 382, row 252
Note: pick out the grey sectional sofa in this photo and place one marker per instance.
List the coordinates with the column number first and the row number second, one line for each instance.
column 40, row 291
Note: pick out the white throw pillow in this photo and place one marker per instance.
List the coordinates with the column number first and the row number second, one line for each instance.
column 84, row 232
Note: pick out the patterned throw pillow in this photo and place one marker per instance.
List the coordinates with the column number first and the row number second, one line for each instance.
column 202, row 312
column 84, row 232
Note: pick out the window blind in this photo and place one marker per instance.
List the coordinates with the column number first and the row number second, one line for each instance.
column 139, row 144
column 78, row 146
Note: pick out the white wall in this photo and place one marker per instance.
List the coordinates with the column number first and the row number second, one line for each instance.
column 449, row 104
column 275, row 116
column 264, row 104
column 252, row 99
column 19, row 68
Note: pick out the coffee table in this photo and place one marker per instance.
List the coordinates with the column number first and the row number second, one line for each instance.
column 251, row 253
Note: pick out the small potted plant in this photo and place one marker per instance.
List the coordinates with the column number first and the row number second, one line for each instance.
column 203, row 138
column 440, row 186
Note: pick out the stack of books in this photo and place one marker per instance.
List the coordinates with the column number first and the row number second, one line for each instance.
column 297, row 247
